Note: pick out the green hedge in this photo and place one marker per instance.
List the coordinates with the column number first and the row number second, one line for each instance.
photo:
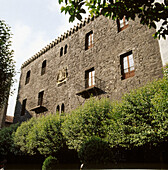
column 6, row 141
column 49, row 163
column 91, row 119
column 41, row 135
column 140, row 119
column 95, row 150
column 144, row 115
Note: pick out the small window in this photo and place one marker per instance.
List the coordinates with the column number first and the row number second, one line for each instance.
column 43, row 68
column 61, row 51
column 122, row 24
column 90, row 78
column 27, row 77
column 127, row 65
column 58, row 109
column 89, row 40
column 65, row 49
column 40, row 98
column 62, row 108
column 23, row 107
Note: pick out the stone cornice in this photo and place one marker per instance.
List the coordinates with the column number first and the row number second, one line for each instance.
column 58, row 40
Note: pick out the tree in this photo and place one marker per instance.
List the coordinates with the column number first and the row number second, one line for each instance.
column 40, row 135
column 7, row 145
column 93, row 119
column 149, row 11
column 7, row 67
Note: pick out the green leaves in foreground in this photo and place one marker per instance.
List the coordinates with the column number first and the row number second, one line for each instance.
column 7, row 67
column 6, row 140
column 93, row 119
column 148, row 11
column 145, row 115
column 41, row 135
column 139, row 120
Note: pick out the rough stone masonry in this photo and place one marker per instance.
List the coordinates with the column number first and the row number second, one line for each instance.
column 98, row 57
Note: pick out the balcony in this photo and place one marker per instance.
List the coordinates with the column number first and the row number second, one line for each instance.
column 92, row 86
column 39, row 109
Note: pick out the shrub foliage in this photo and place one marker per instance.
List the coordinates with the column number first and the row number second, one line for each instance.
column 99, row 129
column 91, row 119
column 49, row 163
column 6, row 140
column 96, row 150
column 7, row 67
column 41, row 135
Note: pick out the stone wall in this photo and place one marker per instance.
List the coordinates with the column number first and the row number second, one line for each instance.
column 104, row 56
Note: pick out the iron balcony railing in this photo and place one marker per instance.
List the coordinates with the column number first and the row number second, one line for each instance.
column 91, row 85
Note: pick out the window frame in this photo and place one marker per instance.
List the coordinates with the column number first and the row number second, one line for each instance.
column 43, row 68
column 62, row 108
column 130, row 72
column 27, row 77
column 58, row 109
column 125, row 23
column 89, row 40
column 90, row 78
column 61, row 51
column 65, row 49
column 40, row 98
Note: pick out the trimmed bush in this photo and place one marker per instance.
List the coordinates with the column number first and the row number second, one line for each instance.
column 6, row 140
column 41, row 135
column 95, row 150
column 49, row 163
column 91, row 119
column 20, row 136
column 101, row 131
column 144, row 116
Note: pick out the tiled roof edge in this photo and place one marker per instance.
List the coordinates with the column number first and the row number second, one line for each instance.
column 58, row 40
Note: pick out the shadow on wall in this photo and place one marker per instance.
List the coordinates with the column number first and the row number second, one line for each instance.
column 18, row 111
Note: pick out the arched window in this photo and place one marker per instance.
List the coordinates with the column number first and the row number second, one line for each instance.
column 61, row 51
column 43, row 68
column 65, row 49
column 62, row 108
column 27, row 77
column 58, row 109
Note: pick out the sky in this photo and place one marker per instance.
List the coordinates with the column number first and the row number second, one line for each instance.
column 34, row 24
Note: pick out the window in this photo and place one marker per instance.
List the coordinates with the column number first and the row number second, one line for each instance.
column 58, row 109
column 127, row 65
column 23, row 107
column 90, row 78
column 122, row 24
column 27, row 77
column 65, row 49
column 89, row 40
column 43, row 68
column 62, row 108
column 61, row 51
column 40, row 98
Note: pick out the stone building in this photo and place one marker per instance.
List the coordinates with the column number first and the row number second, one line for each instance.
column 99, row 56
